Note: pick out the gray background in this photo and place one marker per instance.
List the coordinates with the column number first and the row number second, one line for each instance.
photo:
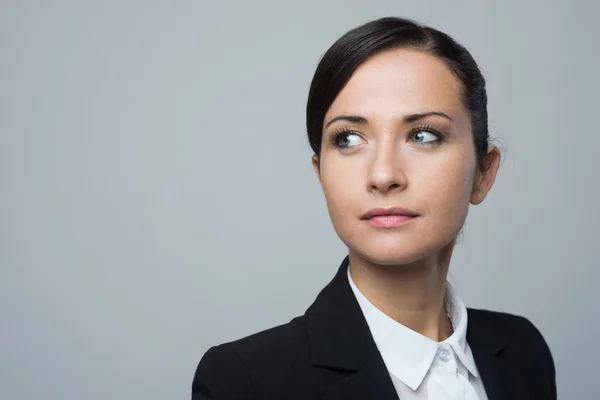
column 157, row 195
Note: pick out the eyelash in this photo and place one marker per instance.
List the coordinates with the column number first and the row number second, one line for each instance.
column 335, row 137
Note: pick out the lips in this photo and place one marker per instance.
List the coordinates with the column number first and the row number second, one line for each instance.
column 399, row 211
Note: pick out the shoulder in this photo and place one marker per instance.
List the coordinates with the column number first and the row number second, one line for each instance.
column 526, row 345
column 231, row 369
column 275, row 342
column 515, row 329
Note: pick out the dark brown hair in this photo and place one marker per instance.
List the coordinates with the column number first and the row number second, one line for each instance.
column 352, row 49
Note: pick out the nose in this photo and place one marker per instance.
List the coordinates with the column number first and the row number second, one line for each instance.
column 386, row 171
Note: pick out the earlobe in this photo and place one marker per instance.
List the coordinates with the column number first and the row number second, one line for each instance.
column 486, row 176
column 315, row 163
column 475, row 193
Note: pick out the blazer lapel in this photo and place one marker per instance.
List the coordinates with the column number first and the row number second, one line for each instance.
column 371, row 381
column 341, row 341
column 500, row 378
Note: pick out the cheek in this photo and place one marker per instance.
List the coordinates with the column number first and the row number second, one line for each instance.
column 340, row 186
column 447, row 189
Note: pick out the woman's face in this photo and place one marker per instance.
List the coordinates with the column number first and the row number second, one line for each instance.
column 381, row 147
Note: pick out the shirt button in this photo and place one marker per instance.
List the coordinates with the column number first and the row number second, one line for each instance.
column 444, row 355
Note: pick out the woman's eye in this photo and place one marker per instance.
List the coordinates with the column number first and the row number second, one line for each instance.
column 346, row 140
column 425, row 137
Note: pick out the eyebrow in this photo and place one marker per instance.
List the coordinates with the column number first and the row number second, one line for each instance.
column 357, row 119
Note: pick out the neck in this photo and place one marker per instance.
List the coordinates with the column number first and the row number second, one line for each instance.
column 412, row 294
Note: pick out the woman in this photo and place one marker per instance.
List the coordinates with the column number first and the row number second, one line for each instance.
column 397, row 119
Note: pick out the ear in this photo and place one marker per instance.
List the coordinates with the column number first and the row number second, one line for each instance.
column 486, row 175
column 315, row 163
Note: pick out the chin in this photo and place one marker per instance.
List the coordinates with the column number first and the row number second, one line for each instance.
column 379, row 257
column 394, row 252
column 404, row 245
column 389, row 255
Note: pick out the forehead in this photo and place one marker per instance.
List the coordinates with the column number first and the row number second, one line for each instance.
column 400, row 81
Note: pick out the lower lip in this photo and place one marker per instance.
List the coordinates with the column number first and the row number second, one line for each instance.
column 388, row 221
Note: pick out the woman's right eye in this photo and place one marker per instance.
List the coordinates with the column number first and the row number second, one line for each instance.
column 345, row 140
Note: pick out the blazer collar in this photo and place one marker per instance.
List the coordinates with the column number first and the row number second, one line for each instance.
column 492, row 353
column 340, row 339
column 338, row 332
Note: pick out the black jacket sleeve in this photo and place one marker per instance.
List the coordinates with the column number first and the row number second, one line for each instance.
column 541, row 363
column 221, row 375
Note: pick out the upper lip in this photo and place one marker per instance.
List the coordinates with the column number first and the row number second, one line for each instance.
column 388, row 211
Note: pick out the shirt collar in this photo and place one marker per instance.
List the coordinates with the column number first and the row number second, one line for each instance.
column 407, row 354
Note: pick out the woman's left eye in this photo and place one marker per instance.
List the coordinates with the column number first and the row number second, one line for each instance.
column 425, row 137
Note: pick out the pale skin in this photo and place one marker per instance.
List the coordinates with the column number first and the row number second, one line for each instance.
column 389, row 159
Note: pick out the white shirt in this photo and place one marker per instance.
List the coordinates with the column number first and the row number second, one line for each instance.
column 420, row 367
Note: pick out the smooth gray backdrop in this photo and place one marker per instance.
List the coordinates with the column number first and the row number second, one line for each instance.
column 157, row 195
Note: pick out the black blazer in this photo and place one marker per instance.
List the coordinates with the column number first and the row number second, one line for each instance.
column 329, row 353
